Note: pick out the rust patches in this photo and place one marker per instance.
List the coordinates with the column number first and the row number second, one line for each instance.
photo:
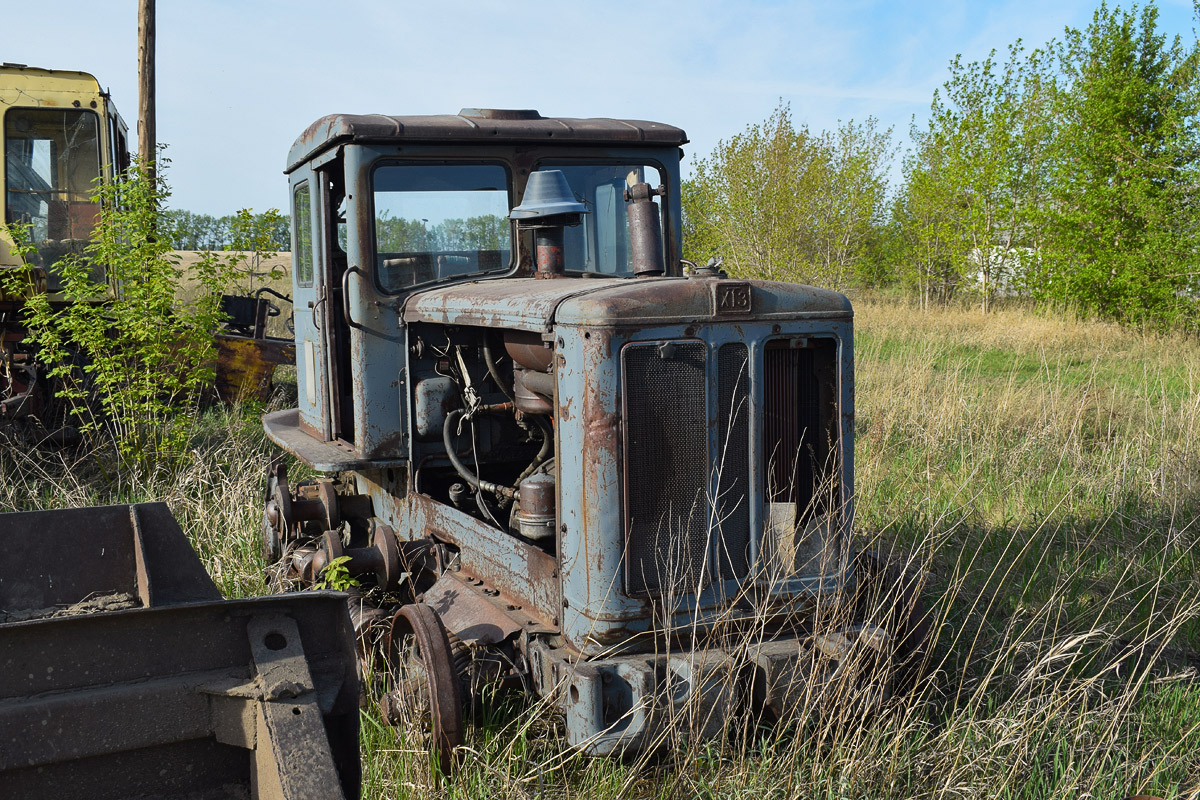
column 476, row 131
column 391, row 444
column 518, row 303
column 90, row 704
column 527, row 349
column 468, row 611
column 245, row 366
column 683, row 301
column 520, row 572
column 602, row 447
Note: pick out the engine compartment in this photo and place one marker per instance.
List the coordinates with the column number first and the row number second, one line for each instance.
column 483, row 426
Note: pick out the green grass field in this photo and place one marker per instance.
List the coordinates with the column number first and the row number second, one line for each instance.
column 1041, row 475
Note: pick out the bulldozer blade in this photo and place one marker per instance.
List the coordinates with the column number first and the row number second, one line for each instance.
column 123, row 673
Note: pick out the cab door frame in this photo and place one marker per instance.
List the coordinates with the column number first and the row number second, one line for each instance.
column 309, row 305
column 334, row 268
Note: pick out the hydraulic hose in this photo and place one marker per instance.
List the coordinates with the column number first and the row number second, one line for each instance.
column 471, row 478
column 545, row 451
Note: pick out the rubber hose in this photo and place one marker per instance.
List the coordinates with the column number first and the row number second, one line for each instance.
column 471, row 478
column 546, row 449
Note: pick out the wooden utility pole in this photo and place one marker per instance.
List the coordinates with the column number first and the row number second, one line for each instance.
column 147, row 143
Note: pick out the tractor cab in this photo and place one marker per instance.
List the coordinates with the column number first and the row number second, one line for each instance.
column 385, row 208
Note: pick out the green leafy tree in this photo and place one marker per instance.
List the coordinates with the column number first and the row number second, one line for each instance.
column 1069, row 173
column 128, row 355
column 190, row 231
column 401, row 235
column 975, row 179
column 851, row 188
column 483, row 232
column 925, row 223
column 743, row 203
column 253, row 240
column 1122, row 224
column 780, row 203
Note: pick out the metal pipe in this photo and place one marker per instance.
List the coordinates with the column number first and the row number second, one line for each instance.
column 549, row 252
column 645, row 229
column 540, row 382
column 543, row 453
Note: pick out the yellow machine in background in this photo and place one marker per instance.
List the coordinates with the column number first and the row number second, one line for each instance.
column 59, row 134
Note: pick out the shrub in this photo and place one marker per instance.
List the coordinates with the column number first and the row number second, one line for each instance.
column 127, row 356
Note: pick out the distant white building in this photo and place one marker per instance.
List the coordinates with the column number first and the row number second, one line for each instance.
column 1004, row 270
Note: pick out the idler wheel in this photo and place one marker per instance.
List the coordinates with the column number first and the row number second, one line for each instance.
column 277, row 511
column 388, row 572
column 327, row 494
column 427, row 694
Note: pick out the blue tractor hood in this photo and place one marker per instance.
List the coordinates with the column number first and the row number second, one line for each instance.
column 537, row 305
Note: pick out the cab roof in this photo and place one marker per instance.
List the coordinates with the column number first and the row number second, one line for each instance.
column 477, row 125
column 25, row 86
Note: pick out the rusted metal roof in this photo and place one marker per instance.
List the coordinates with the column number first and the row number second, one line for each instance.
column 477, row 125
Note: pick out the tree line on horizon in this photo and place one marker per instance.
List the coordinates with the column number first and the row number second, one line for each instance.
column 245, row 230
column 1068, row 174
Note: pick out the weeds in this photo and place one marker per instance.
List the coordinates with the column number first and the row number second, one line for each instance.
column 123, row 354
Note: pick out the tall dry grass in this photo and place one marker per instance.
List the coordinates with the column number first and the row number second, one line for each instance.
column 1038, row 474
column 214, row 490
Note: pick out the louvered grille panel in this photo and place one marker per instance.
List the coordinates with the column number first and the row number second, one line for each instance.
column 791, row 423
column 666, row 459
column 732, row 461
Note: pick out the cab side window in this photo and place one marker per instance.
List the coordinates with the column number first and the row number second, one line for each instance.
column 302, row 241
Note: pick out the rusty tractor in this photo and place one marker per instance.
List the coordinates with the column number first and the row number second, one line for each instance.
column 556, row 455
column 60, row 135
column 246, row 355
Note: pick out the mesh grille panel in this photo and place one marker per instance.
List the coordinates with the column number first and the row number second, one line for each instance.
column 666, row 446
column 732, row 461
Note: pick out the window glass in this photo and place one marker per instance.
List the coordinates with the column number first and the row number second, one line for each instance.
column 120, row 151
column 52, row 160
column 600, row 243
column 302, row 255
column 438, row 221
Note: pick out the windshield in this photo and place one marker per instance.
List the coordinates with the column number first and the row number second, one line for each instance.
column 52, row 160
column 600, row 243
column 438, row 221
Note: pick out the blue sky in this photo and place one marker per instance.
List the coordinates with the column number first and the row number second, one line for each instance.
column 238, row 80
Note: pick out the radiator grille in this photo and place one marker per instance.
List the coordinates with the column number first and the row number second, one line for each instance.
column 666, row 444
column 791, row 423
column 732, row 461
column 690, row 461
